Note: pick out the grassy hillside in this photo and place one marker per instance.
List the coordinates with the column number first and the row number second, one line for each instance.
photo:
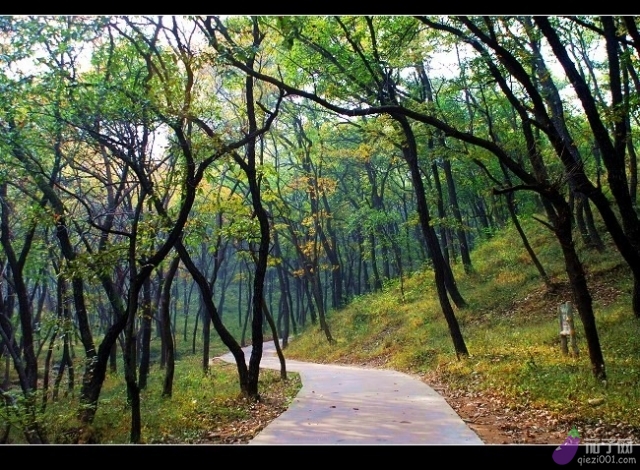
column 516, row 386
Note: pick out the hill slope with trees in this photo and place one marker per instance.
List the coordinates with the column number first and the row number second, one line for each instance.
column 517, row 386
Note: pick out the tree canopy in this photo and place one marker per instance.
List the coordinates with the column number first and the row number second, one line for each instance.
column 286, row 165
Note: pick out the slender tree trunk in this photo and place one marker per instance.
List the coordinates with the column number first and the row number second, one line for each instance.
column 194, row 335
column 65, row 365
column 186, row 301
column 250, row 170
column 49, row 357
column 276, row 341
column 167, row 336
column 284, row 311
column 460, row 232
column 377, row 283
column 206, row 342
column 523, row 236
column 581, row 295
column 439, row 264
column 145, row 334
column 113, row 359
column 130, row 362
column 594, row 236
column 317, row 296
column 27, row 364
column 441, row 212
column 211, row 310
column 245, row 324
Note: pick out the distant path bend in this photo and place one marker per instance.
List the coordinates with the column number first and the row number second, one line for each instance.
column 354, row 405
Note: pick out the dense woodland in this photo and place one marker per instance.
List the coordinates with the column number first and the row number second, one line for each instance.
column 244, row 176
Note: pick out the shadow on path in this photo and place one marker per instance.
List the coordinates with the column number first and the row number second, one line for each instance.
column 353, row 405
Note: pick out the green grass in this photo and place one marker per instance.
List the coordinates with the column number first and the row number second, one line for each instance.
column 510, row 328
column 200, row 405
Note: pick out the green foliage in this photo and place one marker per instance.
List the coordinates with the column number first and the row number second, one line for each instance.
column 17, row 412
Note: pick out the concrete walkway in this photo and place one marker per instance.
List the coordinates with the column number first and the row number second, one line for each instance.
column 353, row 405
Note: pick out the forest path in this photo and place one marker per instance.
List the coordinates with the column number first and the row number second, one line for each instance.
column 353, row 405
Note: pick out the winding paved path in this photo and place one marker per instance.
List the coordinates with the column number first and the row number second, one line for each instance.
column 353, row 405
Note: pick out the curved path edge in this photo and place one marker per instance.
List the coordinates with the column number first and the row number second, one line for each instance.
column 354, row 405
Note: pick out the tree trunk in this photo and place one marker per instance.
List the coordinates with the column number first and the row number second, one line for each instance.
column 377, row 283
column 167, row 336
column 284, row 310
column 460, row 232
column 581, row 295
column 130, row 362
column 145, row 334
column 628, row 239
column 211, row 310
column 442, row 229
column 206, row 342
column 194, row 335
column 439, row 264
column 276, row 342
column 523, row 236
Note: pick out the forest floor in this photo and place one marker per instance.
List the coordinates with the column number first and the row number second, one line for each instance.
column 274, row 400
column 242, row 431
column 494, row 417
column 496, row 421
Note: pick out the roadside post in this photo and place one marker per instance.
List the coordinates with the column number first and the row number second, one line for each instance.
column 567, row 329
